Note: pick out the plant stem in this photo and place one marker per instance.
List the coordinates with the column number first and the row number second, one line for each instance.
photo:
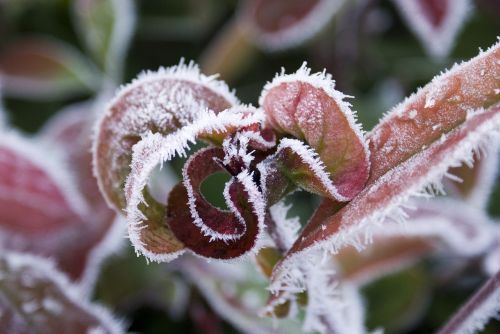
column 473, row 305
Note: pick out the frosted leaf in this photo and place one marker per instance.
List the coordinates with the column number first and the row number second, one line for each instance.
column 37, row 194
column 455, row 94
column 47, row 213
column 146, row 217
column 386, row 255
column 159, row 102
column 384, row 198
column 207, row 230
column 308, row 107
column 45, row 69
column 430, row 226
column 35, row 297
column 435, row 22
column 235, row 292
column 477, row 311
column 294, row 163
column 332, row 305
column 475, row 183
column 106, row 28
column 284, row 24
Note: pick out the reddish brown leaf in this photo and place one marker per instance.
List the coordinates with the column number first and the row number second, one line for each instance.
column 36, row 298
column 281, row 24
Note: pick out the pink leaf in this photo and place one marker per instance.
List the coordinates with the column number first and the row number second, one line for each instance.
column 281, row 24
column 432, row 111
column 35, row 297
column 435, row 22
column 308, row 107
column 45, row 69
column 47, row 214
column 384, row 197
column 160, row 102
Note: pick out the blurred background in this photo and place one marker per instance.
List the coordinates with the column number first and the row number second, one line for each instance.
column 368, row 46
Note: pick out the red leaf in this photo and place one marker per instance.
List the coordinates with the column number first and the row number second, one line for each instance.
column 434, row 110
column 281, row 24
column 384, row 197
column 309, row 108
column 41, row 218
column 435, row 22
column 36, row 298
column 209, row 231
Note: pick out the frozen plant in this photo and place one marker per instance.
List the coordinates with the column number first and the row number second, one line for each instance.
column 303, row 135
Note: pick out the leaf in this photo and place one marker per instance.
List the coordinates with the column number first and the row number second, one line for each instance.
column 308, row 107
column 207, row 230
column 442, row 224
column 35, row 297
column 159, row 102
column 434, row 110
column 236, row 292
column 106, row 28
column 474, row 184
column 475, row 313
column 425, row 117
column 43, row 211
column 101, row 234
column 435, row 22
column 283, row 24
column 146, row 218
column 383, row 198
column 45, row 69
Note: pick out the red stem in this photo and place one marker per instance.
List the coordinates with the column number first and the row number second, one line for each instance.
column 467, row 310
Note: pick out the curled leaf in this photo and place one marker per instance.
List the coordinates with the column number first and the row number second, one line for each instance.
column 207, row 230
column 156, row 102
column 45, row 69
column 308, row 107
column 35, row 297
column 148, row 231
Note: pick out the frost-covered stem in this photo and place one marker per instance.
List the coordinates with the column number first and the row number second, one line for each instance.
column 467, row 314
column 273, row 232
